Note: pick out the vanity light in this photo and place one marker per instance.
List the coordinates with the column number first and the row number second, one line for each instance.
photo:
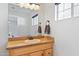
column 27, row 5
column 32, row 6
column 37, row 7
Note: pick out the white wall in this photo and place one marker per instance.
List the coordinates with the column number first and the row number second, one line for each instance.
column 67, row 37
column 3, row 28
column 65, row 32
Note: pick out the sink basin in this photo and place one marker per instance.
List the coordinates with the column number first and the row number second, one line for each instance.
column 32, row 41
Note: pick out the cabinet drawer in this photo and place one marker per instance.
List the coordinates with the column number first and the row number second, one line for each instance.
column 48, row 52
column 39, row 53
column 24, row 55
column 30, row 49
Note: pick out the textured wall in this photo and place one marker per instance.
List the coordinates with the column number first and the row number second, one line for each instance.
column 3, row 28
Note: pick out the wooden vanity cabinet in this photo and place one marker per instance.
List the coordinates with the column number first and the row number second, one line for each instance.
column 34, row 50
column 48, row 52
column 19, row 48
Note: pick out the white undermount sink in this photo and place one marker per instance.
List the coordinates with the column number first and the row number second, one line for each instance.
column 32, row 41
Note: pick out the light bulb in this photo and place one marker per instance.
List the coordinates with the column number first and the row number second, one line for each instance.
column 27, row 5
column 32, row 6
column 36, row 7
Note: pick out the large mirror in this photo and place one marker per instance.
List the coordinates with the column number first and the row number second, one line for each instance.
column 22, row 21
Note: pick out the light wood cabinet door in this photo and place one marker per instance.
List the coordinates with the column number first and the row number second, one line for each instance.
column 39, row 53
column 48, row 52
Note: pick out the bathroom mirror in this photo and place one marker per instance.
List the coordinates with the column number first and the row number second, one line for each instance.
column 21, row 21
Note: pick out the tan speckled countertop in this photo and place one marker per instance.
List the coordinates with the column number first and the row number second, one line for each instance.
column 21, row 43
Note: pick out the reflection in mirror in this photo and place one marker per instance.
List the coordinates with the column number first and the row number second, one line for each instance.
column 22, row 21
